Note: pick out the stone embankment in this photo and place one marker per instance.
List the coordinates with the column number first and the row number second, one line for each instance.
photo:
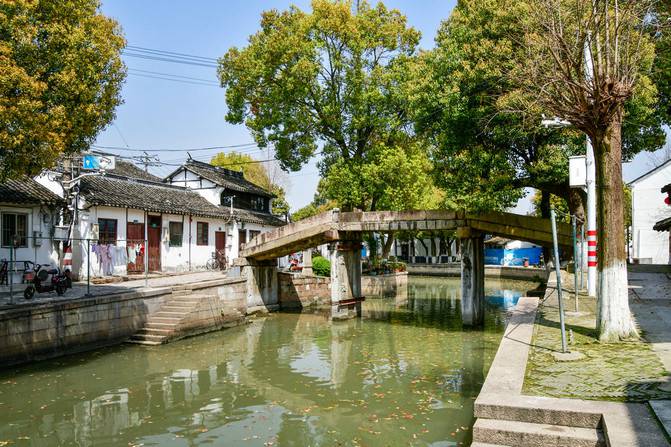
column 508, row 416
column 491, row 271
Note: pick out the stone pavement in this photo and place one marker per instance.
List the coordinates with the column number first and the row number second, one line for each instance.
column 79, row 288
column 628, row 371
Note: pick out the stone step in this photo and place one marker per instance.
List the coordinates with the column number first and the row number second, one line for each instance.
column 154, row 331
column 484, row 444
column 159, row 325
column 526, row 434
column 176, row 308
column 164, row 320
column 537, row 410
column 168, row 314
column 184, row 302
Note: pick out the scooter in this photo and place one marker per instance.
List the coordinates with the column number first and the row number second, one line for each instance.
column 38, row 280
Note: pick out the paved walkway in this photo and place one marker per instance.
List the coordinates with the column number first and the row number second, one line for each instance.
column 79, row 288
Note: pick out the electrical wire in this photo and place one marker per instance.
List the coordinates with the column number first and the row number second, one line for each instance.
column 173, row 80
column 168, row 59
column 196, row 149
column 158, row 73
column 169, row 53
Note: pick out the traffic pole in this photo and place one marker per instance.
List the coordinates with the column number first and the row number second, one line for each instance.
column 576, row 261
column 591, row 220
column 555, row 246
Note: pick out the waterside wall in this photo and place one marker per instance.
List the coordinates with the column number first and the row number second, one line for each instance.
column 31, row 332
column 491, row 271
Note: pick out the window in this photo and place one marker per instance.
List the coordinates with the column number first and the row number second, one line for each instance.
column 14, row 225
column 201, row 233
column 253, row 234
column 176, row 233
column 107, row 231
column 242, row 238
column 258, row 203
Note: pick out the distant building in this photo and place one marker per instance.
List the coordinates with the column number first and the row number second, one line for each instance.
column 128, row 217
column 647, row 208
column 665, row 224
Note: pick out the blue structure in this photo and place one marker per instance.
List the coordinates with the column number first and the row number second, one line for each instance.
column 513, row 257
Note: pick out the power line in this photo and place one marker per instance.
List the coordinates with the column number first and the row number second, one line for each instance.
column 127, row 149
column 170, row 53
column 158, row 73
column 168, row 59
column 181, row 81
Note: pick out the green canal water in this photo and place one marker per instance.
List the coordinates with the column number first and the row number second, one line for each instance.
column 406, row 374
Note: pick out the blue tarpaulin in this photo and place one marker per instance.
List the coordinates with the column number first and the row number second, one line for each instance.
column 515, row 256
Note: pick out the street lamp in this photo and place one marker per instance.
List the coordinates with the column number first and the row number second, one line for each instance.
column 590, row 177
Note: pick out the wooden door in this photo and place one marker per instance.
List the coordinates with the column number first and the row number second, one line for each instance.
column 242, row 238
column 154, row 242
column 220, row 240
column 135, row 239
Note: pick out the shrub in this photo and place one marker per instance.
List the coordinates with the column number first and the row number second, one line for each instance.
column 321, row 266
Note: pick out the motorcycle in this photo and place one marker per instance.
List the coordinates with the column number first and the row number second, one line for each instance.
column 38, row 280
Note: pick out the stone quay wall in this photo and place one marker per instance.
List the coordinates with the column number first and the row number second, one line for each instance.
column 491, row 271
column 299, row 291
column 30, row 332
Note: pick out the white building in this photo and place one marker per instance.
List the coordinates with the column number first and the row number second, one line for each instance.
column 648, row 207
column 128, row 217
column 29, row 215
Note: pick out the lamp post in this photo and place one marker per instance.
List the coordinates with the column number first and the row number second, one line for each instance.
column 590, row 182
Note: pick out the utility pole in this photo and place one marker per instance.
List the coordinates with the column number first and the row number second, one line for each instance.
column 591, row 189
column 147, row 160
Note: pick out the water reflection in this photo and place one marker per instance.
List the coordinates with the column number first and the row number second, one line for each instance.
column 405, row 373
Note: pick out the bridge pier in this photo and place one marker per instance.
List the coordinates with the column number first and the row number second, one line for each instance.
column 262, row 284
column 472, row 276
column 346, row 278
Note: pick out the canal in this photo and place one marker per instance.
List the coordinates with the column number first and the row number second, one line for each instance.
column 404, row 374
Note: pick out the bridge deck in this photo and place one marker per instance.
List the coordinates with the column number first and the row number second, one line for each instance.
column 334, row 225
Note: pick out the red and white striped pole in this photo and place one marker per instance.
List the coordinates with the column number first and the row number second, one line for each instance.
column 592, row 259
column 67, row 256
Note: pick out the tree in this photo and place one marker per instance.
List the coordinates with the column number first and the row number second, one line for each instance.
column 61, row 71
column 331, row 78
column 265, row 175
column 483, row 152
column 584, row 60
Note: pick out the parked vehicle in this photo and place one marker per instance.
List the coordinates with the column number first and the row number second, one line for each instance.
column 218, row 261
column 41, row 278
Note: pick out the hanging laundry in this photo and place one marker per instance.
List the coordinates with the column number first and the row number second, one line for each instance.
column 132, row 253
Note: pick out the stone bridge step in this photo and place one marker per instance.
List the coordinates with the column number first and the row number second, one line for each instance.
column 526, row 434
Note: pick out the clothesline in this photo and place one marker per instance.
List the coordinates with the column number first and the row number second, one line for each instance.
column 110, row 255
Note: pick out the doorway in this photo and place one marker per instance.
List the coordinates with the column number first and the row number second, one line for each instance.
column 220, row 241
column 154, row 242
column 134, row 244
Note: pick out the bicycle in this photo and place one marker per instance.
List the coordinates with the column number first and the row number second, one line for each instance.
column 218, row 261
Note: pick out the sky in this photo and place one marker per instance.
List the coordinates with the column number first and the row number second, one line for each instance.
column 164, row 114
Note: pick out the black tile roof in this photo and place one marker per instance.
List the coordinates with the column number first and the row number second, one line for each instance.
column 27, row 191
column 232, row 180
column 127, row 169
column 663, row 225
column 116, row 191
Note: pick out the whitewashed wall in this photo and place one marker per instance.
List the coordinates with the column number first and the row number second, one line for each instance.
column 43, row 251
column 648, row 207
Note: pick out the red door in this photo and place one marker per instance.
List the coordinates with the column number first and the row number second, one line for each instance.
column 135, row 239
column 220, row 240
column 154, row 242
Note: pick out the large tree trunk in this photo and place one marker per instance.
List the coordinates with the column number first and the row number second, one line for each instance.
column 386, row 248
column 614, row 321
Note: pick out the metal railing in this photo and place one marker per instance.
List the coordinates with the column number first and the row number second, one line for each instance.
column 32, row 245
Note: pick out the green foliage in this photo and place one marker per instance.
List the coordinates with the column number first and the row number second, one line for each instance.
column 61, row 71
column 321, row 266
column 560, row 206
column 318, row 205
column 467, row 105
column 332, row 76
column 256, row 173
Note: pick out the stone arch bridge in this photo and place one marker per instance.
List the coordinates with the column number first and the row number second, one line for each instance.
column 343, row 231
